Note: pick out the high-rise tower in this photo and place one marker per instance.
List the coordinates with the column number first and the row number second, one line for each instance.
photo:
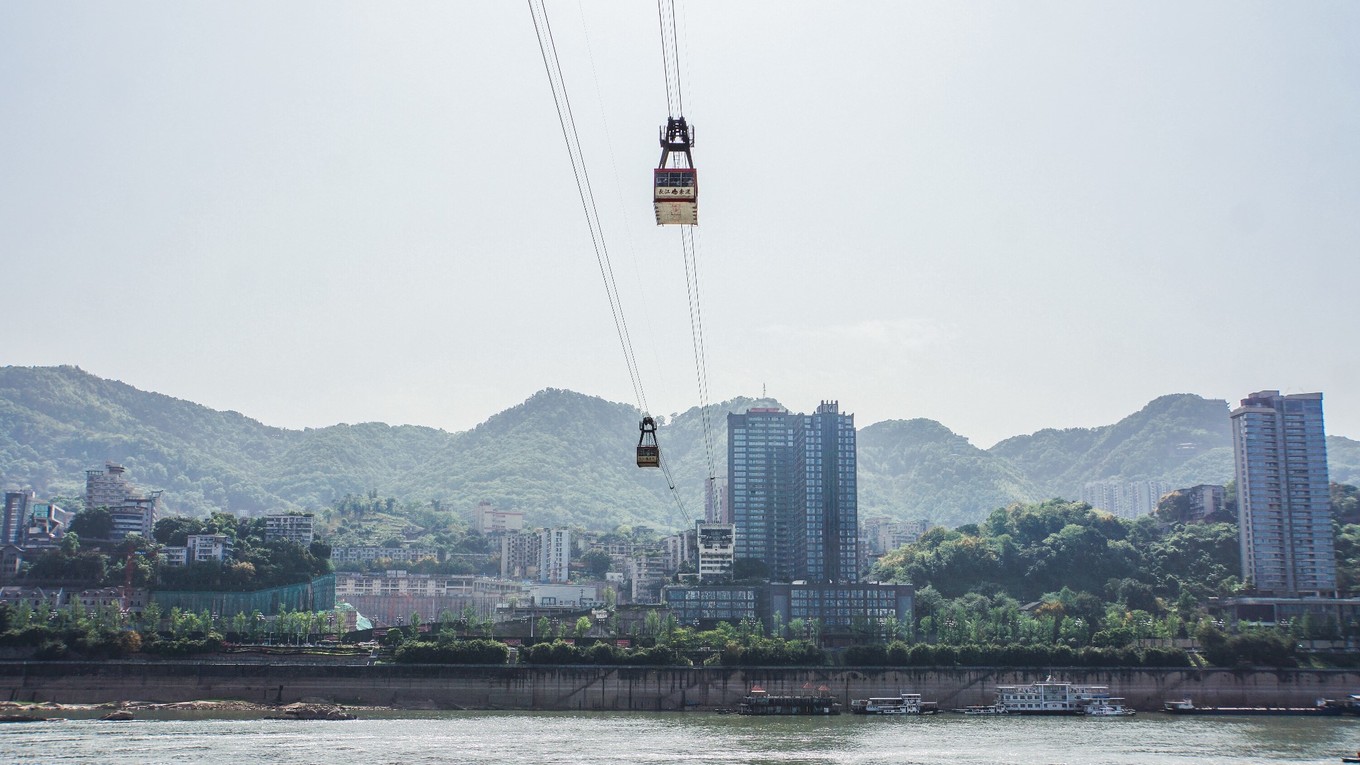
column 759, row 486
column 1283, row 501
column 792, row 492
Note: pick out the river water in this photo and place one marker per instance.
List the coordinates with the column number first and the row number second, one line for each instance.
column 418, row 738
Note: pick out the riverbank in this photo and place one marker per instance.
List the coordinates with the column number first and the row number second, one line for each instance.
column 567, row 688
column 18, row 712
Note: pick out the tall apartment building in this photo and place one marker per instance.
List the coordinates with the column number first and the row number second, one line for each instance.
column 554, row 555
column 680, row 549
column 1126, row 499
column 1283, row 500
column 133, row 513
column 716, row 509
column 15, row 517
column 519, row 555
column 107, row 487
column 792, row 492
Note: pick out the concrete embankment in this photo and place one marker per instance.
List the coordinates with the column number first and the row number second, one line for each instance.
column 624, row 688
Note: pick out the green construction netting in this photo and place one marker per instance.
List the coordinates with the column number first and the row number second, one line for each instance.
column 316, row 595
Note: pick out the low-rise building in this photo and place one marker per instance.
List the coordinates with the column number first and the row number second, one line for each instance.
column 716, row 546
column 291, row 527
column 173, row 556
column 835, row 607
column 397, row 594
column 489, row 520
column 136, row 515
column 45, row 525
column 586, row 595
column 370, row 553
column 645, row 574
column 202, row 548
column 133, row 601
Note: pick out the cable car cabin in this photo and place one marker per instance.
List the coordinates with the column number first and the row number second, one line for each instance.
column 676, row 196
column 648, row 453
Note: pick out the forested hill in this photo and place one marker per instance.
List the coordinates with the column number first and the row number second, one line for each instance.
column 1182, row 439
column 561, row 457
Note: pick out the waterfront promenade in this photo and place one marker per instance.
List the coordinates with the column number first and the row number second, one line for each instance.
column 567, row 688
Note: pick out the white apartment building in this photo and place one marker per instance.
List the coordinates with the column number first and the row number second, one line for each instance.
column 292, row 527
column 554, row 555
column 202, row 548
column 489, row 520
column 716, row 547
column 369, row 553
column 1126, row 499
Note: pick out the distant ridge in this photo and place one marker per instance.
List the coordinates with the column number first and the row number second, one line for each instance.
column 563, row 457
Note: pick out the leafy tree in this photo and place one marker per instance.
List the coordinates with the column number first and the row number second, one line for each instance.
column 597, row 563
column 93, row 523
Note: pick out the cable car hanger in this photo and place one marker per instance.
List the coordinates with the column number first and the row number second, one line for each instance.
column 648, row 452
column 676, row 197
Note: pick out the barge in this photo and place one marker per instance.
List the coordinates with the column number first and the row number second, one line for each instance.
column 760, row 702
column 1323, row 708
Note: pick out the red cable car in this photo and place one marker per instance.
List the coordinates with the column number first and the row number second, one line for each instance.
column 648, row 453
column 675, row 190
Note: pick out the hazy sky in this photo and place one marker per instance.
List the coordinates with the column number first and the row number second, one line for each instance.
column 1003, row 216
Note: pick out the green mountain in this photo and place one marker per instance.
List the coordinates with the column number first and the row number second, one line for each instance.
column 921, row 469
column 1182, row 439
column 563, row 457
column 1343, row 460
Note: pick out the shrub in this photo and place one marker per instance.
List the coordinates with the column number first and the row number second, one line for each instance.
column 51, row 649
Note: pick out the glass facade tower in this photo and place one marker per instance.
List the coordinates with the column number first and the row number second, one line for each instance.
column 1283, row 499
column 792, row 492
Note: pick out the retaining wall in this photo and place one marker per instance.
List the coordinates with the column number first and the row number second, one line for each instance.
column 625, row 688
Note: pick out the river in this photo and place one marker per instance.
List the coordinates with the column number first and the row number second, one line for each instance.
column 418, row 738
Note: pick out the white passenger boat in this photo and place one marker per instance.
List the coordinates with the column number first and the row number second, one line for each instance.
column 983, row 710
column 1051, row 697
column 901, row 704
column 1112, row 708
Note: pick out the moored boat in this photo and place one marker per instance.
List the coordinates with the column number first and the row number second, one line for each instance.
column 901, row 704
column 1111, row 708
column 1188, row 707
column 1052, row 697
column 760, row 702
column 982, row 710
